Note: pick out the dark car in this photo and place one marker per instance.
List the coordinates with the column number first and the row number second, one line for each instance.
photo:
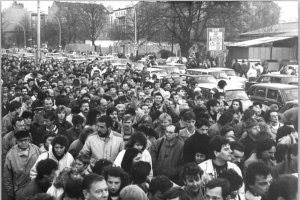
column 273, row 78
column 273, row 93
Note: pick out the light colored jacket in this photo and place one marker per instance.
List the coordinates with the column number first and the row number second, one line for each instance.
column 102, row 148
column 210, row 173
column 17, row 168
column 64, row 162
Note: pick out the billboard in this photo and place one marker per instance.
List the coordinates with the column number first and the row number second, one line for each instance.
column 215, row 39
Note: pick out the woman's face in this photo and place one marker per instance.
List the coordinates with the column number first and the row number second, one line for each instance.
column 138, row 146
column 235, row 105
column 61, row 115
column 59, row 149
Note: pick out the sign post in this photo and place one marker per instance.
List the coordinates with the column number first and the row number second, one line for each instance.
column 215, row 39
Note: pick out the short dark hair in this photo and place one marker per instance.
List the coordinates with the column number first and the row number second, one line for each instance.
column 254, row 169
column 202, row 122
column 77, row 119
column 226, row 129
column 237, row 146
column 160, row 183
column 264, row 145
column 235, row 180
column 15, row 120
column 189, row 115
column 14, row 105
column 191, row 169
column 89, row 179
column 117, row 172
column 220, row 182
column 211, row 102
column 285, row 186
column 175, row 192
column 100, row 166
column 111, row 110
column 45, row 167
column 222, row 84
column 50, row 115
column 27, row 114
column 72, row 188
column 216, row 143
column 139, row 172
column 107, row 120
column 225, row 118
column 83, row 102
column 257, row 103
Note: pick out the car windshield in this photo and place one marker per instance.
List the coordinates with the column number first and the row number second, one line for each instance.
column 230, row 73
column 290, row 94
column 236, row 94
column 219, row 75
column 206, row 79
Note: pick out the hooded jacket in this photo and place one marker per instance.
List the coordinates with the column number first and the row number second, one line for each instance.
column 64, row 162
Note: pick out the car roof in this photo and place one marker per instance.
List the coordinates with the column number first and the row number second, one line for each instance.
column 278, row 75
column 213, row 85
column 204, row 70
column 275, row 85
column 155, row 69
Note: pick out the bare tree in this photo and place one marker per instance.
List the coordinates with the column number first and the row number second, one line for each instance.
column 94, row 18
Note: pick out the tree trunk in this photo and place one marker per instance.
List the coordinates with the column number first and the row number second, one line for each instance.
column 184, row 48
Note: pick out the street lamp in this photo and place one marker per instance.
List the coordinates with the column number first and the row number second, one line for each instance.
column 13, row 22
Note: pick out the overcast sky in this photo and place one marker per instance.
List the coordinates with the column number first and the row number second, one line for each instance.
column 289, row 9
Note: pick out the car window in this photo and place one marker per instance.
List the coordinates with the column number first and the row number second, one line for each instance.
column 290, row 94
column 260, row 92
column 251, row 91
column 272, row 94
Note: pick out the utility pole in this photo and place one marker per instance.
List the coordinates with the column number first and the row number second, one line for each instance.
column 38, row 55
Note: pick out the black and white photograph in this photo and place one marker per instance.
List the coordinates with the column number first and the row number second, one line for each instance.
column 149, row 100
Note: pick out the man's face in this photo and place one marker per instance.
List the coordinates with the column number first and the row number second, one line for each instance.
column 225, row 153
column 97, row 191
column 216, row 108
column 203, row 130
column 80, row 166
column 176, row 98
column 147, row 90
column 181, row 93
column 102, row 129
column 274, row 117
column 103, row 105
column 257, row 109
column 157, row 86
column 113, row 184
column 60, row 85
column 114, row 116
column 27, row 123
column 214, row 193
column 254, row 131
column 237, row 156
column 125, row 87
column 170, row 133
column 48, row 104
column 24, row 92
column 193, row 183
column 149, row 103
column 165, row 123
column 145, row 109
column 78, row 127
column 113, row 90
column 269, row 154
column 127, row 124
column 23, row 143
column 20, row 125
column 48, row 123
column 261, row 184
column 85, row 107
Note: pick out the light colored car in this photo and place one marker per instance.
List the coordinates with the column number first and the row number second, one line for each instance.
column 218, row 74
column 175, row 59
column 160, row 73
column 231, row 92
column 170, row 69
column 231, row 74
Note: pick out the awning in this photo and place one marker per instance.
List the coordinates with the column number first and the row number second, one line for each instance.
column 257, row 41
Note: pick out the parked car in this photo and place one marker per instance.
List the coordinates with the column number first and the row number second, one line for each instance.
column 289, row 105
column 231, row 75
column 273, row 78
column 175, row 59
column 187, row 79
column 232, row 92
column 160, row 73
column 273, row 93
column 218, row 74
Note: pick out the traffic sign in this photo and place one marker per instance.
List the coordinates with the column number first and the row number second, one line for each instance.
column 215, row 39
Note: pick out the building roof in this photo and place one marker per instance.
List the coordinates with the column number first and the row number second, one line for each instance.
column 77, row 5
column 276, row 29
column 258, row 41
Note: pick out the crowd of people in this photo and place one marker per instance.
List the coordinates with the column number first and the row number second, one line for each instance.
column 73, row 131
